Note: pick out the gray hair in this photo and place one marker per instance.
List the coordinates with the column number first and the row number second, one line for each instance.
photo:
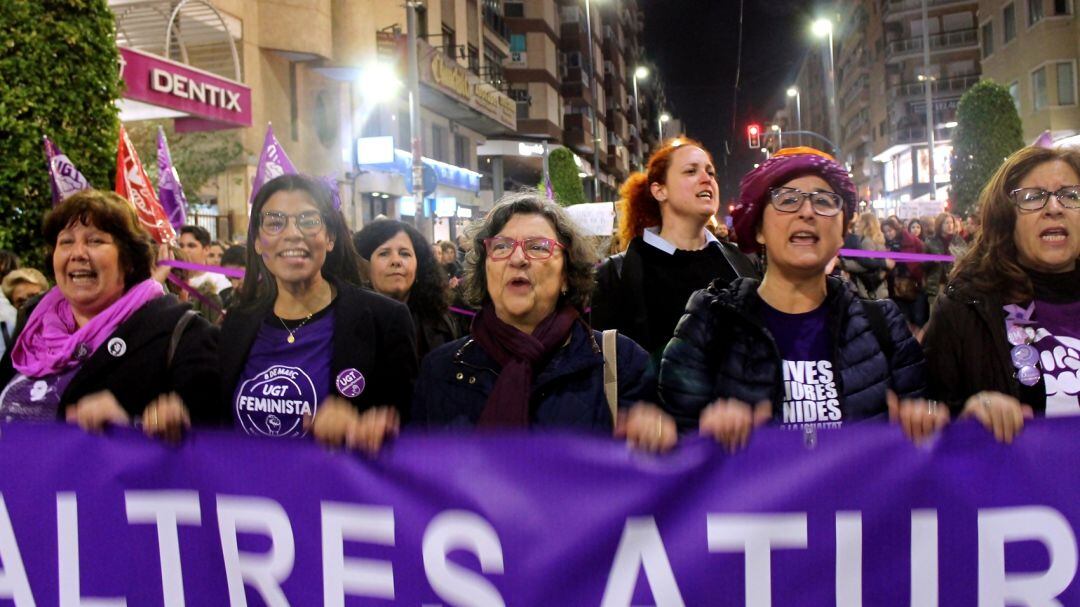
column 580, row 257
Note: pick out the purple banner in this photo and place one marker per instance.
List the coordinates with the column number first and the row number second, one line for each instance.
column 170, row 192
column 843, row 517
column 64, row 178
column 273, row 162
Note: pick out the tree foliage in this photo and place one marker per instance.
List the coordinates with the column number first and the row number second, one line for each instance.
column 988, row 130
column 198, row 157
column 564, row 178
column 59, row 76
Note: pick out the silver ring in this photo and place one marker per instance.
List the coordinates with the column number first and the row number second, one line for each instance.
column 985, row 400
column 931, row 407
column 659, row 428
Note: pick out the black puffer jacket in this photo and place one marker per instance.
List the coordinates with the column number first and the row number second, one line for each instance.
column 722, row 349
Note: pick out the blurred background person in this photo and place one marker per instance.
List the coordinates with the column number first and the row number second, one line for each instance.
column 214, row 252
column 906, row 278
column 20, row 285
column 999, row 344
column 868, row 274
column 402, row 266
column 945, row 241
column 194, row 244
column 235, row 258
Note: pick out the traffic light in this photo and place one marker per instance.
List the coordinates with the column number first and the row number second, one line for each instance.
column 753, row 135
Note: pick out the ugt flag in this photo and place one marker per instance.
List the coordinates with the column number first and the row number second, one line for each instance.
column 170, row 192
column 273, row 162
column 64, row 178
column 133, row 184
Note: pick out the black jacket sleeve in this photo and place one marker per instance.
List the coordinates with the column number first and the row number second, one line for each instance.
column 195, row 375
column 685, row 379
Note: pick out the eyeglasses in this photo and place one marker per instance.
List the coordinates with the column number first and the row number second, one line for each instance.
column 790, row 200
column 309, row 223
column 1034, row 199
column 501, row 247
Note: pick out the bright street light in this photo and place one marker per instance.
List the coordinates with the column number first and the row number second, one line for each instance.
column 660, row 120
column 379, row 82
column 665, row 117
column 821, row 27
column 641, row 72
column 792, row 91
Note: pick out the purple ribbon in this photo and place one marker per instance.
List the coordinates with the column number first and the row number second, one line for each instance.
column 196, row 294
column 186, row 265
column 895, row 256
column 462, row 311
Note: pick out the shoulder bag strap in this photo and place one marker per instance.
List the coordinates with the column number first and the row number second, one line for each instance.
column 178, row 332
column 611, row 374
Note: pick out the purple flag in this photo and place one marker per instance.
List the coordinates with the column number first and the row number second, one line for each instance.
column 1045, row 140
column 548, row 189
column 335, row 196
column 273, row 162
column 64, row 178
column 170, row 192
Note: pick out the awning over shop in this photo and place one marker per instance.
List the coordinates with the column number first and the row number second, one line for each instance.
column 445, row 174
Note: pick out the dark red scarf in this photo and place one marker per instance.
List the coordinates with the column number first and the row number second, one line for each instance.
column 521, row 356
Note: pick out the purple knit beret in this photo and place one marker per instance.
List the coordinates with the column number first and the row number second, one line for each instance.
column 782, row 167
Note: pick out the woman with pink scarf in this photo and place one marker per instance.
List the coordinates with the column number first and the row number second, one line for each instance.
column 106, row 345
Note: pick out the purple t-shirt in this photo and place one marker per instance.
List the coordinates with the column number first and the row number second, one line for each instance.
column 810, row 395
column 34, row 398
column 283, row 382
column 1057, row 338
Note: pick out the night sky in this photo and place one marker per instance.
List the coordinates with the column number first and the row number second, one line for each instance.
column 695, row 45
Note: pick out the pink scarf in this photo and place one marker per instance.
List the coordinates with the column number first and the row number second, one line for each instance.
column 51, row 342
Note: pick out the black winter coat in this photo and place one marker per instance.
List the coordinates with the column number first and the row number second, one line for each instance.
column 722, row 349
column 141, row 374
column 456, row 379
column 967, row 351
column 372, row 334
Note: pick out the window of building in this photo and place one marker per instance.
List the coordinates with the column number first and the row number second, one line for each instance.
column 1062, row 7
column 461, row 152
column 514, row 8
column 987, row 39
column 517, row 43
column 449, row 42
column 421, row 22
column 474, row 59
column 1038, row 88
column 438, row 142
column 1009, row 18
column 1014, row 92
column 1066, row 83
column 1035, row 11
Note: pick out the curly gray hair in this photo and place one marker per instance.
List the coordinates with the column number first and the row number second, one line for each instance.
column 580, row 257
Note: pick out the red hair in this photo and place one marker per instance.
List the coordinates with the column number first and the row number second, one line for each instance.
column 639, row 209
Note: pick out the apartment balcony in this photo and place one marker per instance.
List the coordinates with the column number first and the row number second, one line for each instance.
column 946, row 87
column 617, row 123
column 497, row 24
column 908, row 48
column 578, row 133
column 856, row 91
column 895, row 10
column 916, row 135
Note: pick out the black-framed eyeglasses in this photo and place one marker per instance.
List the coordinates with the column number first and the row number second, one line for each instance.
column 1034, row 199
column 502, row 247
column 309, row 223
column 790, row 200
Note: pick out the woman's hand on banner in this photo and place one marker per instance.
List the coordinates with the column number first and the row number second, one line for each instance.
column 919, row 418
column 730, row 421
column 648, row 428
column 999, row 413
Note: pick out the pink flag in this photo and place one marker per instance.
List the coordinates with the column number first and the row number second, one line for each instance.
column 133, row 184
column 273, row 162
column 170, row 192
column 64, row 178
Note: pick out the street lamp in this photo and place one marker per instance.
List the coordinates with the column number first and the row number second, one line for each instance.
column 823, row 28
column 660, row 120
column 379, row 82
column 639, row 74
column 794, row 92
column 928, row 88
column 779, row 136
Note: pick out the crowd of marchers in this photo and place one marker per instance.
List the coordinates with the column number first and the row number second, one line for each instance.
column 683, row 327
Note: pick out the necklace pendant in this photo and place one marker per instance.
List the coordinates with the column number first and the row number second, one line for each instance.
column 291, row 338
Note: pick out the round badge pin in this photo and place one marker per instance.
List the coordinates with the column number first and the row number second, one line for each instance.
column 82, row 351
column 1017, row 335
column 117, row 347
column 1028, row 375
column 1024, row 355
column 350, row 383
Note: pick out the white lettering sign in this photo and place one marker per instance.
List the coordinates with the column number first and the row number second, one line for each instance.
column 185, row 88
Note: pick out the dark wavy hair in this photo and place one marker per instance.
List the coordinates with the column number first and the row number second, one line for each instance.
column 639, row 209
column 991, row 265
column 580, row 256
column 341, row 265
column 428, row 296
column 110, row 213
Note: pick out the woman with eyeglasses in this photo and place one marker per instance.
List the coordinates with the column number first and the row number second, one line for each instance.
column 797, row 347
column 1004, row 340
column 531, row 361
column 305, row 350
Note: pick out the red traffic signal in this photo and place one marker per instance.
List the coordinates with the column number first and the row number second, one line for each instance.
column 753, row 135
